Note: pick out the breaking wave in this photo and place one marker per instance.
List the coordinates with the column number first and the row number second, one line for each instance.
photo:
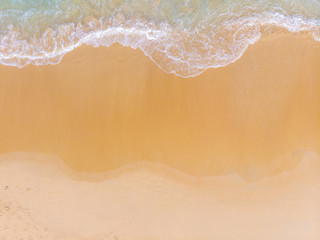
column 184, row 37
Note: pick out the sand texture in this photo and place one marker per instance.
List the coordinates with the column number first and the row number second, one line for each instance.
column 38, row 201
column 105, row 145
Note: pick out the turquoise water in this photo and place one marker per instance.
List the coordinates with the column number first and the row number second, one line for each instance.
column 182, row 37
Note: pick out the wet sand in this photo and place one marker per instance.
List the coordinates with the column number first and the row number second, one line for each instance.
column 103, row 108
column 104, row 142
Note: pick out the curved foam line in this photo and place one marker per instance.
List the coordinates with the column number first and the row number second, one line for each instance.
column 165, row 41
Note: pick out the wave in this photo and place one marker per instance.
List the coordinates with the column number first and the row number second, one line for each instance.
column 181, row 37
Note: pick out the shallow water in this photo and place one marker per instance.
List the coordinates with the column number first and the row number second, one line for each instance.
column 182, row 37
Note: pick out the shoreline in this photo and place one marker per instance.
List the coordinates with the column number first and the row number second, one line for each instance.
column 105, row 145
column 185, row 56
column 103, row 108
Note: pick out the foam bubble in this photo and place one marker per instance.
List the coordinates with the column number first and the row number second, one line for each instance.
column 184, row 40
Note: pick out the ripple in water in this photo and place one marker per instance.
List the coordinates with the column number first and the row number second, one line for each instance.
column 181, row 37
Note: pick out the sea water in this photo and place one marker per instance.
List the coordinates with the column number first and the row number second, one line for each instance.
column 183, row 37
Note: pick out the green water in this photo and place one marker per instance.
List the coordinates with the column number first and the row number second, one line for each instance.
column 182, row 37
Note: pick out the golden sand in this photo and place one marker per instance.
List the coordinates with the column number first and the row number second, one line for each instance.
column 251, row 128
column 103, row 108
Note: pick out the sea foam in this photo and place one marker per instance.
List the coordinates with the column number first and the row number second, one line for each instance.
column 181, row 37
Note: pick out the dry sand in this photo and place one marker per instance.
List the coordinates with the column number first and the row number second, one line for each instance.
column 38, row 201
column 251, row 130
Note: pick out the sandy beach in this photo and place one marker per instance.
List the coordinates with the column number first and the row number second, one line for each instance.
column 103, row 108
column 236, row 142
column 39, row 201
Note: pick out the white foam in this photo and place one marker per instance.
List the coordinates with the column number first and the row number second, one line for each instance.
column 176, row 50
